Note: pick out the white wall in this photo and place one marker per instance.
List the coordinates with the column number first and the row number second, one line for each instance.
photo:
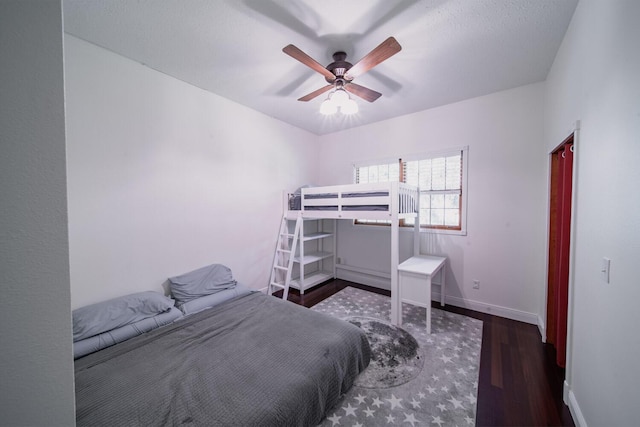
column 36, row 363
column 165, row 177
column 594, row 79
column 505, row 244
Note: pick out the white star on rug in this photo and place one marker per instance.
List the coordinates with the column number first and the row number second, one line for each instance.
column 370, row 412
column 360, row 398
column 414, row 403
column 445, row 359
column 437, row 420
column 377, row 402
column 335, row 419
column 390, row 419
column 410, row 418
column 350, row 410
column 395, row 402
column 456, row 403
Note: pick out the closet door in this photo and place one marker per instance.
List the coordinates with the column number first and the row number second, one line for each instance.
column 559, row 247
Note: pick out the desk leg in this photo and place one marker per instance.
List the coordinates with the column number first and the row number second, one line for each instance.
column 396, row 315
column 429, row 304
column 442, row 279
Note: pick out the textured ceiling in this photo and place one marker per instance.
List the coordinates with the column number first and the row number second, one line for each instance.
column 451, row 49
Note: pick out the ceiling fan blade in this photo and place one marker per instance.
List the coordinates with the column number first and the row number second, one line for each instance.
column 363, row 92
column 315, row 93
column 299, row 55
column 384, row 51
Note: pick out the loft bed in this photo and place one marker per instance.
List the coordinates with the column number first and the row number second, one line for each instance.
column 391, row 201
column 382, row 200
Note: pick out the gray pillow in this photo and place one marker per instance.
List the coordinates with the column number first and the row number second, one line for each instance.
column 123, row 333
column 203, row 281
column 107, row 315
column 208, row 301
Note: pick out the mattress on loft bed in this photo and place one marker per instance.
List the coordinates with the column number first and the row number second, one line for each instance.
column 295, row 201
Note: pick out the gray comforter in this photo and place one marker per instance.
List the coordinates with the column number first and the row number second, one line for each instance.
column 255, row 360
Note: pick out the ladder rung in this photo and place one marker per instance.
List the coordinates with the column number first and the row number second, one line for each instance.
column 285, row 251
column 281, row 267
column 277, row 284
column 287, row 235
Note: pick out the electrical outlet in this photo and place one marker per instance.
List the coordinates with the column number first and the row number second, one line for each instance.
column 476, row 284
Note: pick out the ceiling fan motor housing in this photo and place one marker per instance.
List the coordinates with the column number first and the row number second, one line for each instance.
column 340, row 66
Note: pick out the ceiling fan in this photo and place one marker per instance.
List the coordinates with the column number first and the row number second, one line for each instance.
column 340, row 74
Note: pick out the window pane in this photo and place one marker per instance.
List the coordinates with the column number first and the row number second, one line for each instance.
column 437, row 201
column 425, row 174
column 451, row 217
column 383, row 173
column 438, row 173
column 394, row 172
column 437, row 216
column 373, row 174
column 362, row 176
column 452, row 201
column 425, row 201
column 378, row 173
column 454, row 172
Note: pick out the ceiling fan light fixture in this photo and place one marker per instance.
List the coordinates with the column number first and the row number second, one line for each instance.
column 328, row 107
column 340, row 97
column 349, row 107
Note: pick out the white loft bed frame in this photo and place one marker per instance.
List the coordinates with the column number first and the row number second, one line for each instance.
column 401, row 199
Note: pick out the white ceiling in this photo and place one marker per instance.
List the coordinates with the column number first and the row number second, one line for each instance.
column 451, row 49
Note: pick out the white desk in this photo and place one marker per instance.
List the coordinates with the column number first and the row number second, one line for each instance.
column 414, row 285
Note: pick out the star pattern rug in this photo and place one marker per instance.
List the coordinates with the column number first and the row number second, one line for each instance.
column 414, row 378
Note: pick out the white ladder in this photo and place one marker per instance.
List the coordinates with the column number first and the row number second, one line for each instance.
column 283, row 258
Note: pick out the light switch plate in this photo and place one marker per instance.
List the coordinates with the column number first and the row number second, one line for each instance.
column 606, row 268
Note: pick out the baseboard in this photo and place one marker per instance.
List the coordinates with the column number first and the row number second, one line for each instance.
column 542, row 328
column 381, row 280
column 364, row 277
column 574, row 408
column 496, row 310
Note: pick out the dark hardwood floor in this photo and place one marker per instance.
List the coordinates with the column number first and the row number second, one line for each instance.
column 519, row 384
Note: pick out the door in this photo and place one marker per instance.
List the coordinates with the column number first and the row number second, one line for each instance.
column 559, row 247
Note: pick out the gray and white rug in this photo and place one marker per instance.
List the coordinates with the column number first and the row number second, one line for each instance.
column 414, row 378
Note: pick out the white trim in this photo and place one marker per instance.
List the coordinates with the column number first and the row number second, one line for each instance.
column 364, row 276
column 542, row 328
column 575, row 130
column 574, row 408
column 496, row 310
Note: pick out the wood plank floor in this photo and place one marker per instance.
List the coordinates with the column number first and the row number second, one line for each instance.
column 519, row 384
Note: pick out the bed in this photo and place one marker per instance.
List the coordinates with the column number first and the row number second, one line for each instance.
column 382, row 200
column 392, row 201
column 249, row 360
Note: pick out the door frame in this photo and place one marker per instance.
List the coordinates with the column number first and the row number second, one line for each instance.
column 575, row 131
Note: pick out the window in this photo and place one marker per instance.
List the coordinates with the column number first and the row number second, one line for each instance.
column 383, row 172
column 441, row 178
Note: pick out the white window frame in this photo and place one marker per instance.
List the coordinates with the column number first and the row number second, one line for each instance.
column 423, row 156
column 464, row 190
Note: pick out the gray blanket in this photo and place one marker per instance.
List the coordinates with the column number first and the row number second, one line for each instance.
column 255, row 360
